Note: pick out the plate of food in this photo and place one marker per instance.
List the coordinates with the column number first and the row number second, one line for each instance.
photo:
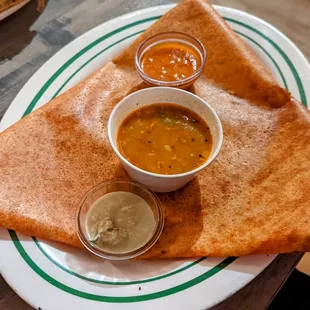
column 206, row 106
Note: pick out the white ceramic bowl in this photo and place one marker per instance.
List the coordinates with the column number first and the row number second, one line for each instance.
column 136, row 100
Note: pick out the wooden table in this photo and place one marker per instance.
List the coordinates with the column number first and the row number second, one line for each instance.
column 62, row 21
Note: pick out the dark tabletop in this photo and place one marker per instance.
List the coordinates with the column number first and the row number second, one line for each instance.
column 62, row 21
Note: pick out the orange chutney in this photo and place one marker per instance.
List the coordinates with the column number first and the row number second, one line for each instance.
column 170, row 61
column 165, row 138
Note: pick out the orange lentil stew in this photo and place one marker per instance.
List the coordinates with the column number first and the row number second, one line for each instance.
column 170, row 61
column 165, row 138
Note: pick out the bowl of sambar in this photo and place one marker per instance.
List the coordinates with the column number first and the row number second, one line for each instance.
column 164, row 136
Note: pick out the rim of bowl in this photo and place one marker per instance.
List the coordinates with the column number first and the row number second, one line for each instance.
column 167, row 176
column 160, row 220
column 171, row 83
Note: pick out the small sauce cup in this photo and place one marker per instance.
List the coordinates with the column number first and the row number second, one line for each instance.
column 118, row 186
column 160, row 41
column 136, row 100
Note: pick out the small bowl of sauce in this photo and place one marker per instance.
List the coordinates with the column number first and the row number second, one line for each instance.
column 164, row 136
column 170, row 59
column 119, row 220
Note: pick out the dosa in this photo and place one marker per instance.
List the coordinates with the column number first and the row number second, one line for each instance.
column 253, row 199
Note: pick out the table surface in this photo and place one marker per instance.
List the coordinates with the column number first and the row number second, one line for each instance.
column 62, row 21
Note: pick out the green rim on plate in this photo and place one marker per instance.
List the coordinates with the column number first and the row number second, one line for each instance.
column 166, row 275
column 55, row 95
column 110, row 34
column 116, row 299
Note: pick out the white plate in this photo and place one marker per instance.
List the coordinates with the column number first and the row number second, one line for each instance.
column 54, row 276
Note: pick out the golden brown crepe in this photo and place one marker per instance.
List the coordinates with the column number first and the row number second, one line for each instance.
column 254, row 198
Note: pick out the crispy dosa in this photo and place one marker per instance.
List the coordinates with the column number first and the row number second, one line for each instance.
column 253, row 199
